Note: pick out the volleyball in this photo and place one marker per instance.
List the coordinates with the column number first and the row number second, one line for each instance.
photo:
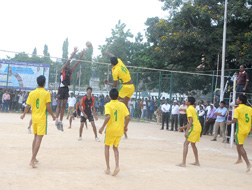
column 89, row 44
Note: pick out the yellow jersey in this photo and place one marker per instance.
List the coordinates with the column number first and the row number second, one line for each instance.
column 243, row 115
column 37, row 99
column 117, row 111
column 120, row 72
column 191, row 112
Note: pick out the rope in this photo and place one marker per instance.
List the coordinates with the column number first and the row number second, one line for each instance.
column 128, row 66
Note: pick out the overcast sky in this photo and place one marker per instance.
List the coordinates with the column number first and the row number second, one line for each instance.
column 26, row 24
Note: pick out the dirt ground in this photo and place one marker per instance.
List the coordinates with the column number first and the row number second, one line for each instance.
column 147, row 160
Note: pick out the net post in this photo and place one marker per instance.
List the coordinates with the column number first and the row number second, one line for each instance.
column 232, row 126
column 212, row 86
column 170, row 88
column 159, row 87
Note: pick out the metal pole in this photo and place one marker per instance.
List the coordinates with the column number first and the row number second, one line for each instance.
column 212, row 87
column 231, row 140
column 170, row 88
column 159, row 87
column 223, row 52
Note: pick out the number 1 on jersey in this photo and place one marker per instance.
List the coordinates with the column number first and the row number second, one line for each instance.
column 115, row 115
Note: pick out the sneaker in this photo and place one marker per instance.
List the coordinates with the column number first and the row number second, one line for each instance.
column 97, row 139
column 213, row 140
column 61, row 126
column 80, row 139
column 57, row 125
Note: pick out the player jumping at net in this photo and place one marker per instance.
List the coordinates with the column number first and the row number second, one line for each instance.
column 86, row 105
column 77, row 114
column 116, row 113
column 63, row 91
column 242, row 116
column 39, row 100
column 121, row 73
column 192, row 134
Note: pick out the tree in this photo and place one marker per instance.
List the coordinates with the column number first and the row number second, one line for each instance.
column 34, row 53
column 65, row 49
column 46, row 54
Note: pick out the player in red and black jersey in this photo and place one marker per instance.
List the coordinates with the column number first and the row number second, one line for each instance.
column 77, row 114
column 63, row 91
column 86, row 106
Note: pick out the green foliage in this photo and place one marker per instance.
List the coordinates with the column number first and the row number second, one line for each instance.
column 46, row 54
column 34, row 51
column 65, row 49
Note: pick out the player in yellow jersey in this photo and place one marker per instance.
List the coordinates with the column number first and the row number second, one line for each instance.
column 121, row 73
column 117, row 120
column 39, row 100
column 192, row 134
column 242, row 118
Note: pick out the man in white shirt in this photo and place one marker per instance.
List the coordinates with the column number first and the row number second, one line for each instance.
column 71, row 103
column 175, row 112
column 201, row 114
column 165, row 108
column 131, row 107
column 182, row 114
column 144, row 114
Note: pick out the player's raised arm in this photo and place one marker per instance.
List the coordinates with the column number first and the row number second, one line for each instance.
column 75, row 65
column 68, row 61
column 49, row 109
column 104, row 123
column 25, row 111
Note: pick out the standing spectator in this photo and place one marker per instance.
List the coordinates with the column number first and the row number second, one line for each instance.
column 144, row 114
column 175, row 112
column 54, row 102
column 141, row 104
column 210, row 121
column 1, row 95
column 71, row 103
column 201, row 114
column 20, row 100
column 5, row 101
column 182, row 114
column 243, row 79
column 138, row 109
column 165, row 108
column 96, row 103
column 131, row 107
column 102, row 104
column 15, row 101
column 151, row 108
column 220, row 121
column 11, row 99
